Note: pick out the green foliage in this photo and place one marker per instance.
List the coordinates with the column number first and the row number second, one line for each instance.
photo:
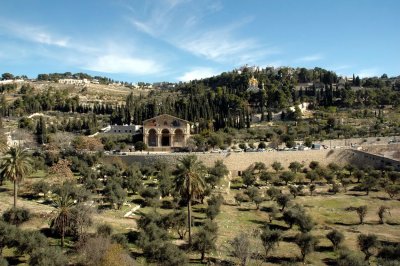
column 295, row 167
column 277, row 166
column 265, row 176
column 249, row 178
column 114, row 193
column 262, row 145
column 388, row 254
column 213, row 206
column 361, row 212
column 241, row 197
column 151, row 196
column 282, row 200
column 177, row 220
column 336, row 238
column 254, row 195
column 312, row 188
column 14, row 166
column 367, row 244
column 368, row 183
column 204, row 240
column 273, row 193
column 312, row 176
column 296, row 190
column 16, row 216
column 140, row 146
column 41, row 187
column 270, row 239
column 104, row 230
column 240, row 248
column 306, row 243
column 350, row 258
column 48, row 256
column 8, row 235
column 392, row 190
column 313, row 165
column 287, row 177
column 216, row 173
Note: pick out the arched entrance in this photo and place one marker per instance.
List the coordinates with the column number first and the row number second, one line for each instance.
column 165, row 138
column 179, row 138
column 152, row 138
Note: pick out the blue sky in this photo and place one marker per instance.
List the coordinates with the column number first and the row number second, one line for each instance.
column 172, row 40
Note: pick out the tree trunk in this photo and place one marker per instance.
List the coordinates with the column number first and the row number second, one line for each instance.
column 189, row 206
column 15, row 193
column 203, row 252
column 62, row 234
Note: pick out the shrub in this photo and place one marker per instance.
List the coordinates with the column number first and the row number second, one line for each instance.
column 306, row 243
column 16, row 216
column 283, row 201
column 361, row 212
column 104, row 230
column 336, row 238
column 367, row 243
column 381, row 213
column 273, row 193
column 49, row 256
column 240, row 248
column 270, row 239
column 350, row 258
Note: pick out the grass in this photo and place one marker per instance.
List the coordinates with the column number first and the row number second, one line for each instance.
column 327, row 210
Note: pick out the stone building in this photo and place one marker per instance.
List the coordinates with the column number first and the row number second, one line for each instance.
column 165, row 132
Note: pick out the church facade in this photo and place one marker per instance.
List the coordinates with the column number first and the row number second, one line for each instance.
column 165, row 132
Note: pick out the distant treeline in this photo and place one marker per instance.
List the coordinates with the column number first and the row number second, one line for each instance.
column 224, row 100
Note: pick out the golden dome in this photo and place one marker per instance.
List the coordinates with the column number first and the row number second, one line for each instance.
column 253, row 82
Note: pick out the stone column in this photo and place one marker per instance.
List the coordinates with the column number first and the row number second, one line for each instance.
column 171, row 139
column 159, row 138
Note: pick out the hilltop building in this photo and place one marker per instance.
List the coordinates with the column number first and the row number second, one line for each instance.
column 165, row 133
column 121, row 129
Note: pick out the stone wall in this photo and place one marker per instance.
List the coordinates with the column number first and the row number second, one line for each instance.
column 240, row 161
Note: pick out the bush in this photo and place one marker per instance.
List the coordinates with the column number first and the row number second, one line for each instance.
column 270, row 239
column 349, row 258
column 49, row 256
column 283, row 200
column 16, row 216
column 367, row 243
column 104, row 230
column 306, row 243
column 336, row 238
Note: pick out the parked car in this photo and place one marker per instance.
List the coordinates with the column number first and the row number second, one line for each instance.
column 238, row 150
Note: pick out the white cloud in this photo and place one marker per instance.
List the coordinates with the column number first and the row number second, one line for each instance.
column 181, row 26
column 35, row 34
column 113, row 63
column 310, row 58
column 368, row 72
column 197, row 73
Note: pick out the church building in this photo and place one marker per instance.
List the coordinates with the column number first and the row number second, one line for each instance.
column 165, row 132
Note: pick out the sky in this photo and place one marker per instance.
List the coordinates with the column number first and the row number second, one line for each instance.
column 182, row 40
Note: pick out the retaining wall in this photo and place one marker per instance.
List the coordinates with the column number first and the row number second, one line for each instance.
column 240, row 161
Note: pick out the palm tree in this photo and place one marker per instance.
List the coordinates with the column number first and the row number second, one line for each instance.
column 63, row 215
column 3, row 143
column 14, row 166
column 190, row 183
